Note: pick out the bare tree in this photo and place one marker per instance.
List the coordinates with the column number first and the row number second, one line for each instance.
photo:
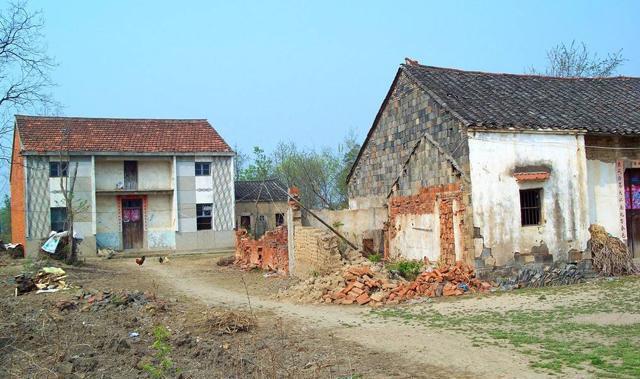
column 24, row 68
column 575, row 61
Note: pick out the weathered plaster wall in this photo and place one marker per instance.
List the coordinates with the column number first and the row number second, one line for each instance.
column 266, row 209
column 160, row 234
column 108, row 233
column 495, row 191
column 153, row 173
column 603, row 153
column 355, row 224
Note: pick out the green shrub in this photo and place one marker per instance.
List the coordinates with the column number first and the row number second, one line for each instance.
column 407, row 269
column 163, row 364
column 375, row 258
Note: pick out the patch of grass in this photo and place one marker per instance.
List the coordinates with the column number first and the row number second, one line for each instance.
column 551, row 337
column 375, row 258
column 407, row 269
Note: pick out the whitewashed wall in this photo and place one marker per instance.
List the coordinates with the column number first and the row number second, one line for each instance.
column 495, row 192
column 603, row 196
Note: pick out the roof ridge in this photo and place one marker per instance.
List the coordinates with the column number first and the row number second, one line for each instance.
column 619, row 77
column 111, row 118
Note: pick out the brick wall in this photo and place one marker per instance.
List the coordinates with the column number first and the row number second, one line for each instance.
column 406, row 117
column 18, row 222
column 270, row 252
column 316, row 251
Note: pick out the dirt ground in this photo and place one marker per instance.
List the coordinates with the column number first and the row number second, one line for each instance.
column 289, row 340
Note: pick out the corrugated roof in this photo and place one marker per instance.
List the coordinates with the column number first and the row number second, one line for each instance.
column 79, row 134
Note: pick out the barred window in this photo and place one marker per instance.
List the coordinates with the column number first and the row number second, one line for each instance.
column 279, row 219
column 530, row 206
column 203, row 216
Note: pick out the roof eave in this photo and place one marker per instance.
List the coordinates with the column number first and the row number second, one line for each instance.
column 139, row 153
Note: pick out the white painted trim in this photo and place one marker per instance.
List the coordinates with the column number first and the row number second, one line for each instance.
column 93, row 196
column 174, row 185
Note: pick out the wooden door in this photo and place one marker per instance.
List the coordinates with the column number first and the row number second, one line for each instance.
column 132, row 228
column 632, row 200
column 130, row 175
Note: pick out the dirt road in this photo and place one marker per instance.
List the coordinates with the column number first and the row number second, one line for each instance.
column 423, row 351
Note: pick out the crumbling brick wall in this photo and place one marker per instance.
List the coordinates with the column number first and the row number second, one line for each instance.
column 316, row 251
column 445, row 203
column 270, row 252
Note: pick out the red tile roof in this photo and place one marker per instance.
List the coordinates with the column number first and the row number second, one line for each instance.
column 76, row 134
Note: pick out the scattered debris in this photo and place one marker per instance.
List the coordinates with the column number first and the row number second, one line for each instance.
column 224, row 322
column 531, row 277
column 13, row 250
column 610, row 255
column 226, row 261
column 88, row 300
column 47, row 279
column 106, row 253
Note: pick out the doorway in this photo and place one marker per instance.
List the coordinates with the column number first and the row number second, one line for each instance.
column 132, row 228
column 632, row 205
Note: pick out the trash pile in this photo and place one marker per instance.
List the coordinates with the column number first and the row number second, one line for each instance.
column 372, row 284
column 13, row 250
column 529, row 277
column 47, row 279
column 610, row 255
column 93, row 301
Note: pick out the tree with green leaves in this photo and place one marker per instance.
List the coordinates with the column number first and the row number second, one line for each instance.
column 5, row 219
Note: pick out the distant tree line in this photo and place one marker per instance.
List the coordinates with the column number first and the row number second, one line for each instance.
column 321, row 174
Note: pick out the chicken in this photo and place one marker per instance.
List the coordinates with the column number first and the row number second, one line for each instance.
column 140, row 261
column 163, row 260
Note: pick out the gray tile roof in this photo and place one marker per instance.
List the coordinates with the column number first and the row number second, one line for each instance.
column 260, row 190
column 488, row 100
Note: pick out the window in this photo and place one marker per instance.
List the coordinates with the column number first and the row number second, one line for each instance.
column 203, row 216
column 203, row 168
column 58, row 169
column 530, row 206
column 279, row 219
column 58, row 219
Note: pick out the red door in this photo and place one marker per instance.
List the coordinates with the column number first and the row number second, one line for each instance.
column 132, row 229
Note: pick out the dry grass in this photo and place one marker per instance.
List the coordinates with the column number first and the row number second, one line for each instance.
column 224, row 322
column 610, row 255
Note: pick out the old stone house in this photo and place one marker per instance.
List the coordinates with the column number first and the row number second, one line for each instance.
column 501, row 168
column 142, row 184
column 261, row 205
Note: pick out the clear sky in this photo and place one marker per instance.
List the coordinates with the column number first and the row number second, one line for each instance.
column 262, row 72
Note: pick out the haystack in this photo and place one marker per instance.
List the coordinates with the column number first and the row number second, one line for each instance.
column 610, row 255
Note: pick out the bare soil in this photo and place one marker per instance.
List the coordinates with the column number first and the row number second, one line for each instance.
column 289, row 340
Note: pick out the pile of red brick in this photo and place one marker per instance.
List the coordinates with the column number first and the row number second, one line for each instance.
column 365, row 287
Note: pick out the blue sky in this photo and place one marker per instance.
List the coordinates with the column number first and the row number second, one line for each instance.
column 262, row 72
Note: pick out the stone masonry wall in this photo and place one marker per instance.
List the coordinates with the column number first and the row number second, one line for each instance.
column 407, row 116
column 316, row 252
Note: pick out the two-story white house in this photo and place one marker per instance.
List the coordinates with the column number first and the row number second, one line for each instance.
column 141, row 184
